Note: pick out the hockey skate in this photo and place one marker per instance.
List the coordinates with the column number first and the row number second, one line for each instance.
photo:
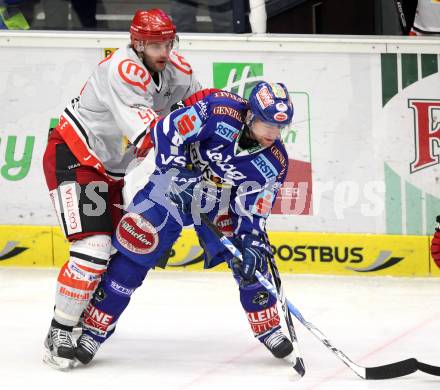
column 86, row 349
column 59, row 349
column 278, row 344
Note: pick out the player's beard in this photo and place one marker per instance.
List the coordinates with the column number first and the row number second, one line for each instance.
column 157, row 65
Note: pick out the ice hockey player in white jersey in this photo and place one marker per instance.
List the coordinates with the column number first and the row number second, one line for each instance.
column 85, row 160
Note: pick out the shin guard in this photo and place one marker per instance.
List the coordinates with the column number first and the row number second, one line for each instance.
column 261, row 309
column 79, row 277
column 112, row 296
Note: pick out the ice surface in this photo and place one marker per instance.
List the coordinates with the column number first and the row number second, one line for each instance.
column 186, row 330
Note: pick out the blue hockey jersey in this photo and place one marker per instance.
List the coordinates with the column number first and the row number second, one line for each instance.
column 245, row 181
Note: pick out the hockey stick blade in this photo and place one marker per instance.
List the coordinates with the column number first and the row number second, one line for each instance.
column 299, row 366
column 393, row 370
column 428, row 369
column 386, row 371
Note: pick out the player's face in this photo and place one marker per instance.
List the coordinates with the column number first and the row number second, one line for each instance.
column 157, row 54
column 264, row 133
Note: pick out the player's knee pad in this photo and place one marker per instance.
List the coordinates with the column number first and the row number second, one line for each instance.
column 260, row 307
column 113, row 295
column 79, row 277
column 93, row 251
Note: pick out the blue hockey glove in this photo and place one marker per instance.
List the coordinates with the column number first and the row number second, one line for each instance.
column 181, row 189
column 254, row 253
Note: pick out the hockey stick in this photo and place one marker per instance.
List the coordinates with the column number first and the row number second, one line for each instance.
column 402, row 19
column 427, row 368
column 299, row 362
column 387, row 371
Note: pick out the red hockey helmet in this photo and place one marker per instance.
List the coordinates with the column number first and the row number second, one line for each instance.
column 152, row 25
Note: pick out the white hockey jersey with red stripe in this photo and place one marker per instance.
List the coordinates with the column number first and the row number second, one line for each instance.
column 121, row 99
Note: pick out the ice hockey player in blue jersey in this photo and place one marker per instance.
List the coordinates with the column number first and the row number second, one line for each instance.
column 222, row 156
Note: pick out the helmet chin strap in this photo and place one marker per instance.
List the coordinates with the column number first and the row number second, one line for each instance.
column 249, row 118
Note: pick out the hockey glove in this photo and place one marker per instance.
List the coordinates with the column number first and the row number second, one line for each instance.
column 181, row 190
column 435, row 244
column 193, row 99
column 254, row 253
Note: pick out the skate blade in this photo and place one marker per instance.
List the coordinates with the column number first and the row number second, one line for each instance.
column 77, row 363
column 56, row 362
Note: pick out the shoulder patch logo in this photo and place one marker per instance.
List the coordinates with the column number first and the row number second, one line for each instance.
column 188, row 123
column 180, row 63
column 134, row 74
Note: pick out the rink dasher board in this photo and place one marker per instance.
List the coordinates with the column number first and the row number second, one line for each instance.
column 295, row 252
column 359, row 102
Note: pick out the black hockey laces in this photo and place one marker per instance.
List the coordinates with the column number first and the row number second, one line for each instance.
column 89, row 344
column 62, row 337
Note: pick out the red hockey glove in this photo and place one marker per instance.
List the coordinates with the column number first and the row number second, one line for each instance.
column 435, row 244
column 194, row 98
column 199, row 95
